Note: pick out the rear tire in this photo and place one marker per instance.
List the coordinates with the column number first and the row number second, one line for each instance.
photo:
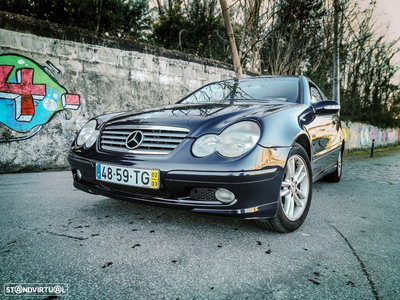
column 295, row 195
column 337, row 174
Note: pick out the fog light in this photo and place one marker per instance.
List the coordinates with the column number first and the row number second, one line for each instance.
column 224, row 196
column 78, row 174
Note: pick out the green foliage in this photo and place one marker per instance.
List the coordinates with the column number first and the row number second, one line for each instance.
column 205, row 24
column 194, row 29
column 137, row 20
column 21, row 7
column 127, row 18
column 169, row 26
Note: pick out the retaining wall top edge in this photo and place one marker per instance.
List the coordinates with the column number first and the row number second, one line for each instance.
column 24, row 24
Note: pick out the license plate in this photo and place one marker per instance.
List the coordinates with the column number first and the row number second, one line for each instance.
column 144, row 178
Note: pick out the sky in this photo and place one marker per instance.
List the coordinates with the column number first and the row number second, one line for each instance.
column 389, row 11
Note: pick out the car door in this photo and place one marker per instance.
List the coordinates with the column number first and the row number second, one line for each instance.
column 324, row 132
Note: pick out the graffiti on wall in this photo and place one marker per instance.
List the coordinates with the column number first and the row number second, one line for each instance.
column 361, row 135
column 30, row 96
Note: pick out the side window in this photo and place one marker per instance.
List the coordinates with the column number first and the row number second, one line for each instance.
column 315, row 95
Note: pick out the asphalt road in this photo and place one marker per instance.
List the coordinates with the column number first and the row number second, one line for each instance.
column 348, row 248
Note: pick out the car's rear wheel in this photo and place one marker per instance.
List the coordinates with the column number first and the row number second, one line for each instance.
column 295, row 195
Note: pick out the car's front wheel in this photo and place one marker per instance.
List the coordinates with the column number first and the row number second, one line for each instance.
column 295, row 195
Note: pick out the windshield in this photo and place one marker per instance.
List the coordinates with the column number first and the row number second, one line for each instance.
column 260, row 89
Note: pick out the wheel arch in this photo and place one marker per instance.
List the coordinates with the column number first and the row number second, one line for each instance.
column 304, row 141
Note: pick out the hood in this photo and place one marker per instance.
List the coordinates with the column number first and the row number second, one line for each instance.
column 200, row 118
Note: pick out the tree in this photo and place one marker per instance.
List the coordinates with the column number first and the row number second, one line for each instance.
column 167, row 28
column 369, row 93
column 137, row 20
column 296, row 37
column 116, row 17
column 253, row 29
column 235, row 57
column 193, row 27
column 205, row 25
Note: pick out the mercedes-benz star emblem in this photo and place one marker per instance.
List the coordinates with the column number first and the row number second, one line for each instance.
column 134, row 140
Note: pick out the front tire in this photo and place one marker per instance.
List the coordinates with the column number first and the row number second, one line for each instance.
column 295, row 195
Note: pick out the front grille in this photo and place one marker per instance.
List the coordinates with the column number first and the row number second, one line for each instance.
column 132, row 190
column 156, row 139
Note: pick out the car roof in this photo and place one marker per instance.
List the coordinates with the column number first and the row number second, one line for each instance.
column 242, row 79
column 269, row 76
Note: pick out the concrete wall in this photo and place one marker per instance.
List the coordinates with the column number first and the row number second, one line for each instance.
column 67, row 76
column 361, row 136
column 98, row 75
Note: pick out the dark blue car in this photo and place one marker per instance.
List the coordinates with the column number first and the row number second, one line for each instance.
column 248, row 148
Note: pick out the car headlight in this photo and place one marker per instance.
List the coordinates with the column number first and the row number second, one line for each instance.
column 88, row 134
column 205, row 145
column 234, row 141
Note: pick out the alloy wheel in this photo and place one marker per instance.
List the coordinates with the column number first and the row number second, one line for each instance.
column 295, row 188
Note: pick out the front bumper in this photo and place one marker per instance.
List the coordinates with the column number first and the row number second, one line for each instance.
column 256, row 192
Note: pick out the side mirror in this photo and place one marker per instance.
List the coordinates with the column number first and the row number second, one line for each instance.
column 326, row 107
